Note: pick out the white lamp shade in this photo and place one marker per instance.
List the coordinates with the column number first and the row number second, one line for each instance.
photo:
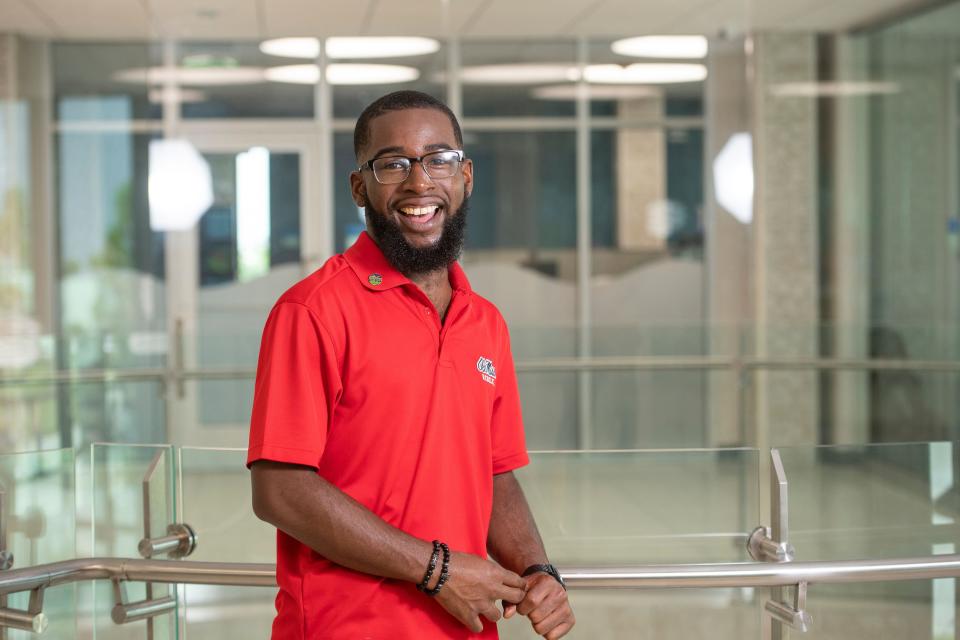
column 179, row 186
column 733, row 177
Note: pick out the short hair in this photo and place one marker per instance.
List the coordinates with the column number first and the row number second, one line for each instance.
column 399, row 101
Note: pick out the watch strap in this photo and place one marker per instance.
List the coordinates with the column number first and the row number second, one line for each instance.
column 548, row 569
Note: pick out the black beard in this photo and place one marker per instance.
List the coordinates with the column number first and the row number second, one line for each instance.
column 410, row 260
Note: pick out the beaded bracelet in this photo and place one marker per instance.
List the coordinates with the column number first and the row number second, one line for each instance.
column 444, row 572
column 431, row 567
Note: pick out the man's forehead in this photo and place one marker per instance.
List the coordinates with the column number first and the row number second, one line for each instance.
column 410, row 128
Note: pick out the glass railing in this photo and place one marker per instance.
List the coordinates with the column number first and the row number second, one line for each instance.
column 647, row 512
column 130, row 495
column 216, row 502
column 38, row 525
column 878, row 502
column 628, row 508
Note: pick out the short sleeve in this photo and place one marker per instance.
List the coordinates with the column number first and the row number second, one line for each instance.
column 509, row 443
column 296, row 389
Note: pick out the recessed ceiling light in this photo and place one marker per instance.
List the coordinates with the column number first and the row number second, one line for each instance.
column 686, row 47
column 343, row 73
column 189, row 76
column 645, row 73
column 568, row 92
column 833, row 89
column 519, row 74
column 346, row 48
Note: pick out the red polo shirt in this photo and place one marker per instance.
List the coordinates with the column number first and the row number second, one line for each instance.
column 358, row 378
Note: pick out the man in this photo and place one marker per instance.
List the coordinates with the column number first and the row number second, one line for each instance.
column 386, row 420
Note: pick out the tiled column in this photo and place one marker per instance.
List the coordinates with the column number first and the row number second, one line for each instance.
column 785, row 237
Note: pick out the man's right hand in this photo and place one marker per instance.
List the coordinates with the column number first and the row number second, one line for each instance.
column 474, row 587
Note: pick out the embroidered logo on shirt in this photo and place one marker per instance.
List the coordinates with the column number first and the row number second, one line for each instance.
column 487, row 371
column 375, row 279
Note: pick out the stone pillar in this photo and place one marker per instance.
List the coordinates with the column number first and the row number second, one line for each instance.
column 786, row 267
column 642, row 178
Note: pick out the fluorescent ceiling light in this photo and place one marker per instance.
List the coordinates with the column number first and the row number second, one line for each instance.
column 686, row 47
column 394, row 47
column 519, row 74
column 190, row 76
column 645, row 73
column 158, row 95
column 833, row 89
column 340, row 48
column 291, row 47
column 568, row 92
column 343, row 74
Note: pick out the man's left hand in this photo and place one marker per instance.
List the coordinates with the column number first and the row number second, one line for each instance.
column 546, row 605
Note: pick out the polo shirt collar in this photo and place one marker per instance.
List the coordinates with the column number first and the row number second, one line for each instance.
column 377, row 274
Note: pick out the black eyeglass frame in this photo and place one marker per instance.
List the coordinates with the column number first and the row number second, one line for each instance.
column 412, row 159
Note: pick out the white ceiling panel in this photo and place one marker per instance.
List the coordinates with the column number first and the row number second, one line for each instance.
column 26, row 19
column 213, row 19
column 245, row 19
column 513, row 18
column 99, row 19
column 629, row 17
column 406, row 18
column 284, row 18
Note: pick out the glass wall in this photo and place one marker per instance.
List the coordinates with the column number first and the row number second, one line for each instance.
column 762, row 251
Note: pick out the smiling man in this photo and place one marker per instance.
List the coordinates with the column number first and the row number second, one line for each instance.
column 386, row 421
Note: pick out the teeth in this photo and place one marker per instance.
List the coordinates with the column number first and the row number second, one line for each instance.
column 418, row 211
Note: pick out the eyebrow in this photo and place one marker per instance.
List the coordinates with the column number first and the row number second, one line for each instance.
column 437, row 146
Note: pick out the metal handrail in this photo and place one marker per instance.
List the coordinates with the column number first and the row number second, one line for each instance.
column 700, row 576
column 604, row 363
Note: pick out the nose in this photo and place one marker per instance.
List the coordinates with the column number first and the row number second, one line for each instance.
column 418, row 178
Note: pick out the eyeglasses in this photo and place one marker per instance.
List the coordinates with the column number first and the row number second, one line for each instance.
column 395, row 169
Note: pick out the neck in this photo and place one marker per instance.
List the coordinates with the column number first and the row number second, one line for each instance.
column 436, row 286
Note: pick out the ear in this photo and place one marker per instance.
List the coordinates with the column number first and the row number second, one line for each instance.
column 358, row 189
column 467, row 170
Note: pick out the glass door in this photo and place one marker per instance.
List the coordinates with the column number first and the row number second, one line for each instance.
column 262, row 234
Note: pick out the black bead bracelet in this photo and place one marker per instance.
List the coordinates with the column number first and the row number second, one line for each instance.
column 444, row 569
column 431, row 567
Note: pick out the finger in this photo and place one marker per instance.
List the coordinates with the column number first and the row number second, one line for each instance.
column 510, row 595
column 492, row 614
column 511, row 579
column 538, row 592
column 547, row 624
column 559, row 631
column 474, row 624
column 509, row 609
column 545, row 609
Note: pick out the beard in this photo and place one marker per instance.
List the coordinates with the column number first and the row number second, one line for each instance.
column 410, row 260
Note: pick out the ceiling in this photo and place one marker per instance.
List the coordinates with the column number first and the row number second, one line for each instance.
column 256, row 19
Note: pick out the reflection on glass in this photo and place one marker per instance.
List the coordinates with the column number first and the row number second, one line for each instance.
column 507, row 78
column 216, row 502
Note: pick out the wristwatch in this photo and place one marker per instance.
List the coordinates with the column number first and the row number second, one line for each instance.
column 548, row 569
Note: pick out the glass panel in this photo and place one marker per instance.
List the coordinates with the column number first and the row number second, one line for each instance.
column 518, row 78
column 105, row 81
column 39, row 519
column 623, row 508
column 876, row 501
column 350, row 99
column 244, row 92
column 215, row 485
column 249, row 253
column 132, row 493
